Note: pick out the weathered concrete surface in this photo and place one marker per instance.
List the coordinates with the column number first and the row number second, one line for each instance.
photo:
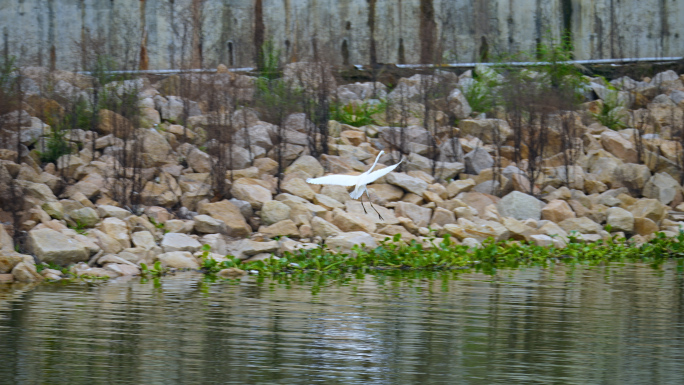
column 43, row 32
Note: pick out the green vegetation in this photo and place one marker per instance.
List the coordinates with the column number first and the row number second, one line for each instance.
column 612, row 113
column 480, row 93
column 357, row 115
column 448, row 256
column 269, row 61
column 56, row 145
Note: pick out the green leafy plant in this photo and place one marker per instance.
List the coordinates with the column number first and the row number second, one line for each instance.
column 269, row 61
column 56, row 145
column 157, row 270
column 357, row 115
column 612, row 113
column 480, row 93
column 80, row 228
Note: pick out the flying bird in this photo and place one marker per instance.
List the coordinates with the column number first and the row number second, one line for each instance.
column 360, row 181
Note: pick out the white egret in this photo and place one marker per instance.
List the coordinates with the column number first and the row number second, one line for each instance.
column 360, row 181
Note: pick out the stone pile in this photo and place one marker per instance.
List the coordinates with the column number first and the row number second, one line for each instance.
column 70, row 215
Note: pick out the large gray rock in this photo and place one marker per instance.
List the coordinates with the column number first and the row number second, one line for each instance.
column 248, row 190
column 178, row 260
column 520, row 206
column 85, row 216
column 179, row 242
column 273, row 212
column 620, row 220
column 323, row 228
column 633, row 176
column 408, row 183
column 307, row 164
column 246, row 248
column 662, row 187
column 420, row 216
column 582, row 225
column 477, row 160
column 52, row 246
column 116, row 229
column 236, row 226
column 204, row 224
column 344, row 242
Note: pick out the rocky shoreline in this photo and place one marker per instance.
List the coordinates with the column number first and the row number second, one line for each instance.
column 621, row 182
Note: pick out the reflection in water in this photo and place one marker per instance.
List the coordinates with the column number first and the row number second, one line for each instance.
column 613, row 325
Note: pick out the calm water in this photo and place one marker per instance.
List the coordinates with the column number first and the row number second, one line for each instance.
column 622, row 324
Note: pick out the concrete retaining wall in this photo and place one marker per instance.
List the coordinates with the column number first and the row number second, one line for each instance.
column 165, row 34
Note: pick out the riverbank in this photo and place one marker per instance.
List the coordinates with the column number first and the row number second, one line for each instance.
column 198, row 172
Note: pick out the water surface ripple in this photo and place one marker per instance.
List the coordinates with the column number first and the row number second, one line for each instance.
column 621, row 324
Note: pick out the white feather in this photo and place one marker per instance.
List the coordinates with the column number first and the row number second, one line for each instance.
column 340, row 180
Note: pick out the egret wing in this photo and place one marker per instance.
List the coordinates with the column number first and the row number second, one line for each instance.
column 340, row 180
column 377, row 174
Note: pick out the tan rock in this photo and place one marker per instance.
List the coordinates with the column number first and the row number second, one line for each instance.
column 406, row 182
column 619, row 146
column 480, row 231
column 582, row 225
column 419, row 215
column 557, row 210
column 644, row 226
column 323, row 228
column 413, row 199
column 252, row 191
column 283, row 228
column 344, row 242
column 266, row 166
column 352, row 221
column 479, row 201
column 620, row 220
column 458, row 186
column 143, row 239
column 116, row 229
column 633, row 176
column 327, row 202
column 352, row 137
column 236, row 226
column 178, row 260
column 298, row 187
column 246, row 248
column 273, row 212
column 52, row 246
column 518, row 230
column 9, row 259
column 106, row 243
column 382, row 193
column 204, row 224
column 26, row 272
column 442, row 217
column 649, row 208
column 110, row 122
column 340, row 193
column 431, row 196
column 307, row 164
column 552, row 229
column 392, row 230
column 155, row 149
column 662, row 187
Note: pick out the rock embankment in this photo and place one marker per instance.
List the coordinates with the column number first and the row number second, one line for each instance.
column 71, row 211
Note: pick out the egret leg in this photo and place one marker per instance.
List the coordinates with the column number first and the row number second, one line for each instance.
column 364, row 207
column 371, row 203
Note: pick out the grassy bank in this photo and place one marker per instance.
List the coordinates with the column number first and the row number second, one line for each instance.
column 448, row 256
